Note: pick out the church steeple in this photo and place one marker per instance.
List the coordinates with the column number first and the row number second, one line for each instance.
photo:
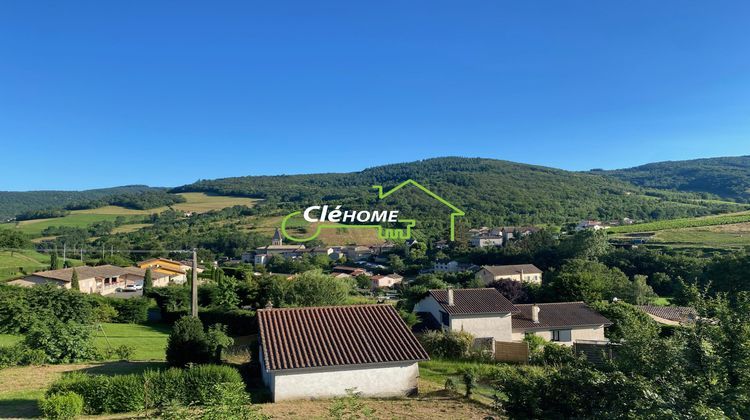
column 277, row 238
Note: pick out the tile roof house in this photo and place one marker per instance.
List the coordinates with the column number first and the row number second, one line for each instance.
column 480, row 312
column 486, row 313
column 388, row 280
column 103, row 279
column 519, row 272
column 320, row 352
column 563, row 322
column 670, row 315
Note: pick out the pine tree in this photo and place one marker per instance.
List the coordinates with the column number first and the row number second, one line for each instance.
column 74, row 281
column 54, row 263
column 147, row 280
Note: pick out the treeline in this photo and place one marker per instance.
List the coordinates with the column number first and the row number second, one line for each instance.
column 42, row 214
column 16, row 202
column 137, row 201
column 491, row 192
column 142, row 200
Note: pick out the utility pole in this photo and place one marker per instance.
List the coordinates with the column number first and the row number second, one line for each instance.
column 194, row 286
column 65, row 247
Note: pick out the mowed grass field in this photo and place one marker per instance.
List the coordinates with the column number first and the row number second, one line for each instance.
column 195, row 202
column 736, row 235
column 149, row 340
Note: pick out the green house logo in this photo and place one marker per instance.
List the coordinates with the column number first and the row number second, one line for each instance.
column 334, row 217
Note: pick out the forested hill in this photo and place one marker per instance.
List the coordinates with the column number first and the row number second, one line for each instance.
column 13, row 203
column 727, row 177
column 491, row 192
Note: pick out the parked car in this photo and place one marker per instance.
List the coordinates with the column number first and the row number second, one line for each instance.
column 129, row 288
column 139, row 286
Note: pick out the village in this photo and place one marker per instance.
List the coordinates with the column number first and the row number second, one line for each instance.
column 324, row 351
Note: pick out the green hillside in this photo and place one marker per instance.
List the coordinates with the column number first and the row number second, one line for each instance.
column 726, row 177
column 13, row 203
column 492, row 192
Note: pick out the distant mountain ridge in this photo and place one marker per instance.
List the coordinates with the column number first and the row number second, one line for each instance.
column 492, row 192
column 726, row 177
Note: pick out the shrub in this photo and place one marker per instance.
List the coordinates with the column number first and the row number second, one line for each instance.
column 64, row 406
column 131, row 311
column 162, row 387
column 62, row 342
column 200, row 379
column 124, row 352
column 10, row 355
column 187, row 343
column 105, row 312
column 93, row 388
column 447, row 344
column 127, row 393
column 33, row 357
column 238, row 321
column 218, row 340
column 229, row 401
column 124, row 394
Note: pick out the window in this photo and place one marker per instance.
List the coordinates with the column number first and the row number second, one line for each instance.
column 561, row 335
column 445, row 318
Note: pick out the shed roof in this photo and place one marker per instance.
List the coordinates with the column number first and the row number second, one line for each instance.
column 296, row 338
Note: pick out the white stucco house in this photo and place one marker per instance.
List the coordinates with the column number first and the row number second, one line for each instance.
column 518, row 272
column 102, row 279
column 320, row 352
column 486, row 313
column 480, row 312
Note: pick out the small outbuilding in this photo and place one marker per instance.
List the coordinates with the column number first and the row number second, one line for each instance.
column 321, row 352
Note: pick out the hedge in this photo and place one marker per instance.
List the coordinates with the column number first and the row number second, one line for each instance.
column 238, row 321
column 64, row 406
column 127, row 393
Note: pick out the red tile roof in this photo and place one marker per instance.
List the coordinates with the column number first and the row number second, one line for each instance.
column 474, row 301
column 558, row 315
column 294, row 338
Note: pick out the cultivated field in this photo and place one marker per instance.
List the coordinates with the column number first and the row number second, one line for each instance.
column 735, row 235
column 196, row 202
column 331, row 237
column 722, row 219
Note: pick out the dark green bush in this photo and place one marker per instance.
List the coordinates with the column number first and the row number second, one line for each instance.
column 447, row 344
column 200, row 379
column 64, row 406
column 93, row 388
column 125, row 394
column 62, row 342
column 163, row 387
column 153, row 389
column 238, row 321
column 187, row 343
column 20, row 307
column 124, row 352
column 131, row 311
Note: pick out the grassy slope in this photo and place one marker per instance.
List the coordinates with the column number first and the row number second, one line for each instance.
column 722, row 219
column 196, row 202
column 29, row 260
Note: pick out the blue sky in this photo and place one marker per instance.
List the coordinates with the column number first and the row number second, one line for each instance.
column 105, row 93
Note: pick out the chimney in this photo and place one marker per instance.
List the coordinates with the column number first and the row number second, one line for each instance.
column 522, row 274
column 535, row 313
column 450, row 297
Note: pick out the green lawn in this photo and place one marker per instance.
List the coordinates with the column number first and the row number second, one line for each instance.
column 12, row 264
column 148, row 340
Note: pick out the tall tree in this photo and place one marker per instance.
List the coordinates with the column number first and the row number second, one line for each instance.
column 54, row 262
column 148, row 282
column 74, row 281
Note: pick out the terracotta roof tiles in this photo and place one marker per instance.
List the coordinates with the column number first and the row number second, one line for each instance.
column 296, row 338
